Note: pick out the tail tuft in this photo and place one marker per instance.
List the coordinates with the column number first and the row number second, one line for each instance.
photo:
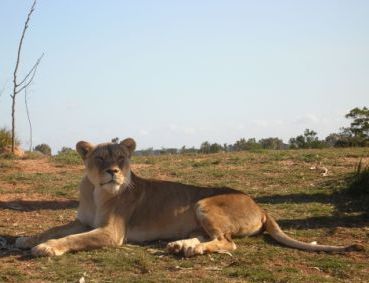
column 355, row 248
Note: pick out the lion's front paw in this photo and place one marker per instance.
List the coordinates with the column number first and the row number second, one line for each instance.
column 188, row 247
column 23, row 243
column 192, row 250
column 46, row 249
column 175, row 247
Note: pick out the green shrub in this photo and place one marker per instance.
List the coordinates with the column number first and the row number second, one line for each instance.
column 6, row 138
column 66, row 150
column 359, row 182
column 67, row 157
column 43, row 148
column 33, row 155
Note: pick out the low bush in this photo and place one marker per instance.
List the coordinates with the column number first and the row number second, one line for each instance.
column 6, row 139
column 43, row 148
column 359, row 182
column 67, row 157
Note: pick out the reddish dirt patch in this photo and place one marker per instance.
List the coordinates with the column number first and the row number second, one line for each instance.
column 43, row 166
column 139, row 166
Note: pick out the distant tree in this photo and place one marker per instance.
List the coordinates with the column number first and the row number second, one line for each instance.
column 355, row 135
column 333, row 139
column 215, row 147
column 253, row 144
column 225, row 147
column 271, row 143
column 343, row 139
column 310, row 136
column 308, row 140
column 66, row 150
column 242, row 144
column 43, row 148
column 359, row 127
column 360, row 124
column 205, row 147
column 168, row 151
column 145, row 152
column 185, row 150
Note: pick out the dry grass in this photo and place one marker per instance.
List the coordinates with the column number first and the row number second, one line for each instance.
column 38, row 194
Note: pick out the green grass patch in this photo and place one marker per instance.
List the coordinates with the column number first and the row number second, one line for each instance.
column 46, row 183
column 335, row 266
column 67, row 158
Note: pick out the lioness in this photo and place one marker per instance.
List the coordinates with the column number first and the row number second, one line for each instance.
column 117, row 206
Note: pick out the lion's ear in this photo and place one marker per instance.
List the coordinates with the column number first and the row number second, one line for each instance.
column 130, row 144
column 83, row 148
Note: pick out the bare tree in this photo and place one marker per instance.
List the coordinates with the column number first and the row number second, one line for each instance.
column 29, row 119
column 27, row 80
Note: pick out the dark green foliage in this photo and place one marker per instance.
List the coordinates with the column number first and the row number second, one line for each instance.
column 308, row 140
column 355, row 135
column 169, row 151
column 359, row 182
column 250, row 144
column 338, row 140
column 67, row 156
column 6, row 138
column 145, row 152
column 360, row 124
column 185, row 150
column 272, row 143
column 43, row 148
column 206, row 147
column 66, row 150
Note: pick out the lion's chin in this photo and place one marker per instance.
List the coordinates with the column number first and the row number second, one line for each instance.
column 112, row 187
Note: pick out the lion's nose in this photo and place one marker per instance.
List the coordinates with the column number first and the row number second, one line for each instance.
column 112, row 171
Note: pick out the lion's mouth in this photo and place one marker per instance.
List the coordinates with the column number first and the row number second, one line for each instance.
column 112, row 181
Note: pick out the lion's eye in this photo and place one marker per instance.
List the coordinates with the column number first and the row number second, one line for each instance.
column 99, row 158
column 121, row 158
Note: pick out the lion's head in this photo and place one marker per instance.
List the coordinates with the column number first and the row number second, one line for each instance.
column 108, row 165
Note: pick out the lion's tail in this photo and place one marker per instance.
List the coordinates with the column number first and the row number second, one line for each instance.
column 272, row 227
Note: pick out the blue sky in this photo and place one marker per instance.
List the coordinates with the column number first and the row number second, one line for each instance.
column 173, row 73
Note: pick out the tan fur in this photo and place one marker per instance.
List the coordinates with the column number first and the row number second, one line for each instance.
column 117, row 206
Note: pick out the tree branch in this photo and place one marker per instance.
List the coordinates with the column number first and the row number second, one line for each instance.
column 33, row 70
column 20, row 47
column 29, row 119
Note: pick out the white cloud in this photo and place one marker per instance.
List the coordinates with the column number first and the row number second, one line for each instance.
column 144, row 132
column 181, row 130
column 189, row 131
column 307, row 119
column 267, row 123
column 173, row 127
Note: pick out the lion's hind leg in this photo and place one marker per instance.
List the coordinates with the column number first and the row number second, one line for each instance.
column 224, row 216
column 217, row 225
